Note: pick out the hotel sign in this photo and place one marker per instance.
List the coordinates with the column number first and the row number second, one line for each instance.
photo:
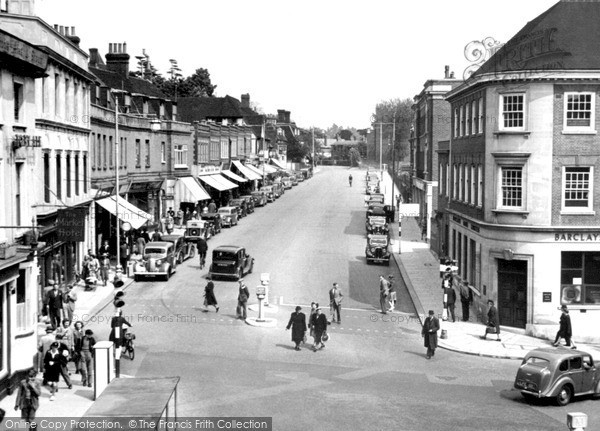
column 577, row 237
column 22, row 51
column 26, row 141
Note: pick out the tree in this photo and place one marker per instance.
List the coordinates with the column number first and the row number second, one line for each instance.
column 199, row 84
column 299, row 148
column 196, row 85
column 354, row 156
column 346, row 134
column 399, row 112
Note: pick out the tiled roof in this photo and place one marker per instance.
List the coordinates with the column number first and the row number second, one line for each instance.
column 201, row 108
column 130, row 84
column 565, row 37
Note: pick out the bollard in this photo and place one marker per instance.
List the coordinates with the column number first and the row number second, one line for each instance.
column 577, row 421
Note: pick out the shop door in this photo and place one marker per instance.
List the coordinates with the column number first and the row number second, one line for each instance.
column 512, row 292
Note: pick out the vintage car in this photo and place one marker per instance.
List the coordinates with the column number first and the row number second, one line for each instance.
column 240, row 204
column 559, row 374
column 249, row 203
column 300, row 177
column 372, row 188
column 268, row 190
column 229, row 216
column 294, row 179
column 375, row 209
column 278, row 189
column 377, row 225
column 214, row 221
column 287, row 183
column 160, row 260
column 377, row 197
column 377, row 250
column 196, row 229
column 260, row 198
column 183, row 249
column 230, row 261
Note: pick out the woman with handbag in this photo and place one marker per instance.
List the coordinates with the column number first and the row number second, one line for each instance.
column 298, row 324
column 209, row 296
column 319, row 325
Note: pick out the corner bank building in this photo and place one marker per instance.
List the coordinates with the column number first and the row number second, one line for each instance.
column 521, row 177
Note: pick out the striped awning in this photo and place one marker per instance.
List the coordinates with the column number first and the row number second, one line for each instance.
column 218, row 182
column 188, row 190
column 233, row 176
column 127, row 212
column 246, row 171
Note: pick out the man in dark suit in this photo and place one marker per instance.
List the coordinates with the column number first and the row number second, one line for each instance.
column 565, row 330
column 335, row 302
column 493, row 326
column 298, row 324
column 450, row 301
column 54, row 305
column 429, row 333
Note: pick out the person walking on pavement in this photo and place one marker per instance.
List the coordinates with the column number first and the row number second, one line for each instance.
column 66, row 332
column 450, row 295
column 493, row 326
column 54, row 304
column 69, row 298
column 64, row 357
column 466, row 299
column 85, row 349
column 77, row 336
column 141, row 244
column 384, row 290
column 52, row 368
column 209, row 295
column 28, row 398
column 335, row 302
column 313, row 311
column 212, row 207
column 392, row 290
column 117, row 332
column 429, row 333
column 57, row 268
column 319, row 327
column 243, row 296
column 298, row 324
column 350, row 180
column 156, row 236
column 565, row 330
column 44, row 344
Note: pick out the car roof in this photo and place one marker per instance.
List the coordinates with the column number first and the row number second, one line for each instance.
column 556, row 354
column 171, row 237
column 231, row 248
column 158, row 244
column 374, row 236
column 227, row 208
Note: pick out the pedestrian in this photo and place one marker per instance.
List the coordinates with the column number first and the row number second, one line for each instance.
column 384, row 290
column 104, row 249
column 205, row 209
column 493, row 326
column 392, row 293
column 156, row 236
column 450, row 296
column 398, row 201
column 565, row 330
column 57, row 268
column 466, row 299
column 212, row 207
column 44, row 344
column 187, row 216
column 429, row 332
column 243, row 296
column 141, row 244
column 202, row 247
column 69, row 298
column 319, row 327
column 66, row 332
column 52, row 367
column 298, row 324
column 170, row 224
column 124, row 254
column 77, row 337
column 209, row 295
column 28, row 398
column 117, row 332
column 104, row 267
column 424, row 230
column 85, row 349
column 179, row 217
column 54, row 305
column 146, row 237
column 313, row 311
column 335, row 302
column 65, row 355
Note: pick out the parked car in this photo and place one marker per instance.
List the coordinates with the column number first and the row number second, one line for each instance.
column 294, row 179
column 230, row 261
column 183, row 249
column 260, row 198
column 287, row 183
column 160, row 260
column 377, row 197
column 196, row 229
column 277, row 189
column 214, row 221
column 300, row 177
column 372, row 187
column 377, row 250
column 269, row 193
column 249, row 203
column 377, row 225
column 559, row 374
column 240, row 204
column 229, row 216
column 375, row 206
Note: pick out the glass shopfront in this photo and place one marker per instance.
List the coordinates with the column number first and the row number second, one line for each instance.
column 580, row 278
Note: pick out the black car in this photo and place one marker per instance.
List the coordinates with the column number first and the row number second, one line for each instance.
column 214, row 219
column 230, row 261
column 377, row 225
column 249, row 203
column 377, row 250
column 240, row 205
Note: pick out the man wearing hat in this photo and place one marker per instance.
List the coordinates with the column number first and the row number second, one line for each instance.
column 243, row 296
column 429, row 333
column 392, row 290
column 84, row 346
column 54, row 305
column 298, row 324
column 44, row 344
column 565, row 330
column 335, row 302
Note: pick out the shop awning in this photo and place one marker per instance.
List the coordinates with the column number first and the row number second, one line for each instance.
column 255, row 170
column 268, row 169
column 188, row 190
column 245, row 171
column 233, row 176
column 217, row 182
column 127, row 212
column 279, row 164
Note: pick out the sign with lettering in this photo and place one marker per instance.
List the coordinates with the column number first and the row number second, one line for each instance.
column 546, row 296
column 19, row 49
column 577, row 237
column 70, row 224
column 20, row 140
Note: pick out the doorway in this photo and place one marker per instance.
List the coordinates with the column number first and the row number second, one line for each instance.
column 512, row 292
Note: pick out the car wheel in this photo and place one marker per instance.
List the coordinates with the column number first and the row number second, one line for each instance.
column 529, row 397
column 564, row 395
column 136, row 278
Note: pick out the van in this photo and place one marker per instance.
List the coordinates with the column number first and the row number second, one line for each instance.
column 229, row 216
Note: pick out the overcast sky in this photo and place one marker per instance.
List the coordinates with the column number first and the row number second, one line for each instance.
column 326, row 61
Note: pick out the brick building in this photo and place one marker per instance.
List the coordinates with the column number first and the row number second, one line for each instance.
column 521, row 176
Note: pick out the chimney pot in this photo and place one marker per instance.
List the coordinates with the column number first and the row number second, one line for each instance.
column 125, row 48
column 61, row 29
column 56, row 27
column 446, row 71
column 452, row 75
column 67, row 31
column 72, row 31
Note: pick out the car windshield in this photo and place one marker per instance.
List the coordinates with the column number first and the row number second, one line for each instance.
column 534, row 360
column 223, row 255
column 154, row 252
column 378, row 242
column 224, row 211
column 378, row 221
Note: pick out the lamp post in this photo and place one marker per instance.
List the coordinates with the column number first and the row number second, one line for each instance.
column 381, row 124
column 118, row 267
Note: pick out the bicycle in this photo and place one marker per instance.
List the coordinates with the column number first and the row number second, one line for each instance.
column 128, row 346
column 202, row 255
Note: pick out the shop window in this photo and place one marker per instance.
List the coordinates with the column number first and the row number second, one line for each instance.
column 580, row 278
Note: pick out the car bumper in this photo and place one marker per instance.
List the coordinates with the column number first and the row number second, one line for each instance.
column 222, row 274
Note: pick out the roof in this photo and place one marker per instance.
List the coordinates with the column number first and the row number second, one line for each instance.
column 565, row 37
column 131, row 84
column 201, row 108
column 159, row 244
column 231, row 248
column 556, row 353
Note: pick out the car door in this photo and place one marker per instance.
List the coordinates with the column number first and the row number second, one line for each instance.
column 576, row 373
column 589, row 374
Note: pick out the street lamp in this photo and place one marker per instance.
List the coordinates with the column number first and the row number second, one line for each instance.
column 118, row 267
column 393, row 151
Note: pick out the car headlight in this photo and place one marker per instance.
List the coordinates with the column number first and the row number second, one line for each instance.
column 372, row 250
column 158, row 262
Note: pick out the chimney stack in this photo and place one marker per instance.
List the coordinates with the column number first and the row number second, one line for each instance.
column 21, row 7
column 446, row 72
column 72, row 37
column 245, row 100
column 451, row 75
column 281, row 116
column 117, row 59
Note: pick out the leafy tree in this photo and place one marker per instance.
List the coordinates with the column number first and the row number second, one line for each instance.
column 199, row 84
column 399, row 112
column 346, row 134
column 354, row 156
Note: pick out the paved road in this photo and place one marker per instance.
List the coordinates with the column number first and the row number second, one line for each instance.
column 373, row 374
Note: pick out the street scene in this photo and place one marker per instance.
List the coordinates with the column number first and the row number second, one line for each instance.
column 193, row 247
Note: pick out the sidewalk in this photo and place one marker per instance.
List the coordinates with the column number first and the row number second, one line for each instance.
column 71, row 403
column 420, row 270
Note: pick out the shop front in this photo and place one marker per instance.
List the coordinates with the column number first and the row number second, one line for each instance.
column 146, row 195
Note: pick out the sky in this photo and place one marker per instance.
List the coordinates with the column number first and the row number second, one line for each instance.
column 326, row 61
